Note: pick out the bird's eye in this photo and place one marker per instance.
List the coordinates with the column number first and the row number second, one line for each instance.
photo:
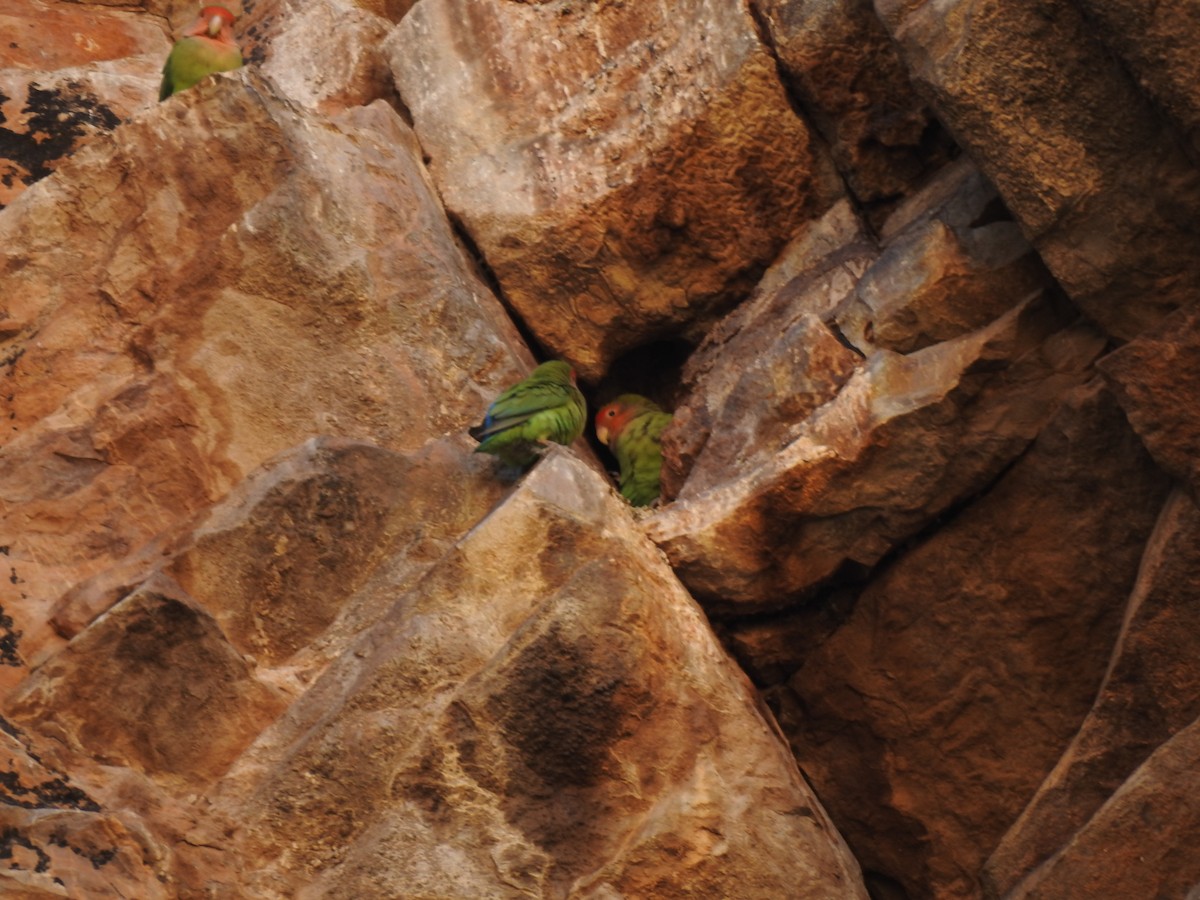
column 611, row 413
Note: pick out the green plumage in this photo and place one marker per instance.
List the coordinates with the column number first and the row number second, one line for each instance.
column 546, row 406
column 635, row 439
column 193, row 58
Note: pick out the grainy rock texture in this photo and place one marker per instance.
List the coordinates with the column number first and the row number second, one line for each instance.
column 625, row 168
column 67, row 73
column 1100, row 182
column 844, row 72
column 918, row 280
column 1150, row 693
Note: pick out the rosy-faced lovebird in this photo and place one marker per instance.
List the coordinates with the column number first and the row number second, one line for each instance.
column 207, row 46
column 546, row 406
column 632, row 427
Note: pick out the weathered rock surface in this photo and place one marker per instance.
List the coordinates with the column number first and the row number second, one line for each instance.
column 903, row 441
column 1157, row 44
column 951, row 261
column 964, row 669
column 1151, row 693
column 626, row 169
column 174, row 320
column 69, row 71
column 841, row 66
column 325, row 55
column 1141, row 842
column 269, row 628
column 481, row 736
column 774, row 347
column 1099, row 182
column 507, row 735
column 1156, row 377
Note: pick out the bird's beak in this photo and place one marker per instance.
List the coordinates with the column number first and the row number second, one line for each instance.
column 602, row 434
column 214, row 26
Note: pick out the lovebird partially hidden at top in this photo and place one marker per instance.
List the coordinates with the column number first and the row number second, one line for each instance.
column 546, row 406
column 632, row 427
column 207, row 46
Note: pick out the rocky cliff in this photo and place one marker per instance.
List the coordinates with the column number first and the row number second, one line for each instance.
column 919, row 611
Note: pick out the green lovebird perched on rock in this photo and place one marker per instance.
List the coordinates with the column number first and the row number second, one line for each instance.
column 546, row 406
column 632, row 427
column 207, row 46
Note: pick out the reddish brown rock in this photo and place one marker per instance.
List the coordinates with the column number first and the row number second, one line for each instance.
column 58, row 843
column 770, row 363
column 1158, row 44
column 905, row 439
column 929, row 718
column 1156, row 378
column 1100, row 184
column 508, row 730
column 287, row 563
column 505, row 723
column 279, row 560
column 840, row 63
column 153, row 686
column 1150, row 693
column 173, row 320
column 952, row 260
column 626, row 169
column 1139, row 844
column 325, row 55
column 68, row 73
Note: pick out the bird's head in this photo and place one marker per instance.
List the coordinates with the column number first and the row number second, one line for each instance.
column 613, row 417
column 216, row 19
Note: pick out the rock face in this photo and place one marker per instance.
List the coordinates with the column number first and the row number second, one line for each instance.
column 1099, row 181
column 918, row 281
column 1147, row 698
column 841, row 66
column 69, row 72
column 211, row 322
column 623, row 170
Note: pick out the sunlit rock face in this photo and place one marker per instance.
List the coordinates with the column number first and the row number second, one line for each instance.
column 914, row 615
column 627, row 169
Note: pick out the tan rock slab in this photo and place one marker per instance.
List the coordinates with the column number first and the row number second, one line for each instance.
column 546, row 713
column 177, row 318
column 904, row 440
column 951, row 261
column 626, row 169
column 771, row 362
column 325, row 55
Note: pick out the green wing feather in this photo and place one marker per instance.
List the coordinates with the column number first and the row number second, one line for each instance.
column 638, row 450
column 546, row 406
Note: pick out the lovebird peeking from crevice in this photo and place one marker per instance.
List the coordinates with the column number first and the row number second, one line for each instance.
column 631, row 427
column 545, row 406
column 207, row 46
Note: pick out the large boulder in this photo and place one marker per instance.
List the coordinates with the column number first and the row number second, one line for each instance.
column 839, row 62
column 963, row 670
column 69, row 72
column 532, row 705
column 626, row 169
column 1150, row 694
column 222, row 278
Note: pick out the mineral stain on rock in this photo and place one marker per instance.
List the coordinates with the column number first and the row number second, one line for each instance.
column 50, row 127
